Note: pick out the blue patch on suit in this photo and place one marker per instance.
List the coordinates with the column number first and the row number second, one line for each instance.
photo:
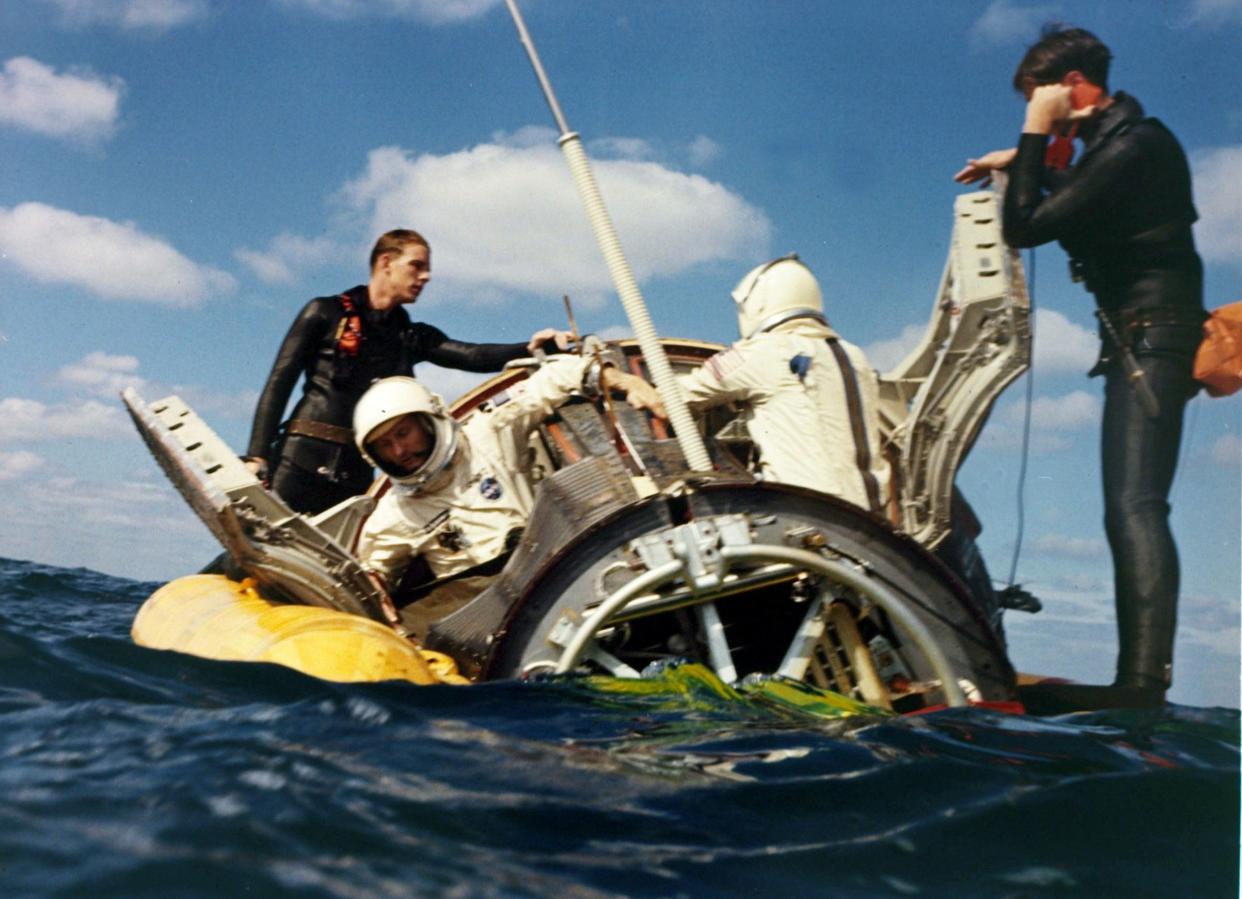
column 490, row 488
column 800, row 365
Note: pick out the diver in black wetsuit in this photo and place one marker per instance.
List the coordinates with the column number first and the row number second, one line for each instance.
column 341, row 344
column 1123, row 212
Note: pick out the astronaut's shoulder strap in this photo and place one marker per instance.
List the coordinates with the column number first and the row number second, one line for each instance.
column 858, row 423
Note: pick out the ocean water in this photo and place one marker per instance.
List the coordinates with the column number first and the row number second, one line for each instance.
column 127, row 772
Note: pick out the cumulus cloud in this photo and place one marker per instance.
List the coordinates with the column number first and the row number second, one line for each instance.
column 1060, row 345
column 431, row 12
column 140, row 506
column 1216, row 12
column 1070, row 547
column 30, row 420
column 447, row 382
column 703, row 151
column 1053, row 422
column 212, row 404
column 615, row 332
column 1071, row 412
column 1218, row 197
column 1227, row 451
column 111, row 259
column 287, row 255
column 1004, row 23
column 100, row 374
column 885, row 354
column 507, row 216
column 621, row 148
column 37, row 98
column 105, row 375
column 130, row 15
column 15, row 465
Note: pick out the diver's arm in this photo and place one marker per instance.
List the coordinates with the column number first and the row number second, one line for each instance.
column 1033, row 217
column 430, row 344
column 294, row 357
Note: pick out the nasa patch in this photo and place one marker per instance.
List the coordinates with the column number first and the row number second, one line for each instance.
column 490, row 488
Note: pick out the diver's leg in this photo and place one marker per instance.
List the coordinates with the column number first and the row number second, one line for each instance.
column 1139, row 457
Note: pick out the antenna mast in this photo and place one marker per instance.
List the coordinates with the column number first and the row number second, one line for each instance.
column 688, row 437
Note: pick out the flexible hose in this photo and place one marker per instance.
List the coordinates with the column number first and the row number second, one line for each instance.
column 662, row 375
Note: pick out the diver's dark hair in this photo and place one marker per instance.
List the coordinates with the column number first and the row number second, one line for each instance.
column 1059, row 51
column 396, row 242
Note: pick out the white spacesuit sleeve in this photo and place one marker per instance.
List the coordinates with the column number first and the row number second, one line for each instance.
column 533, row 400
column 724, row 377
column 385, row 545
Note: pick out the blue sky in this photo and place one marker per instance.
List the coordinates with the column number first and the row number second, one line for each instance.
column 181, row 175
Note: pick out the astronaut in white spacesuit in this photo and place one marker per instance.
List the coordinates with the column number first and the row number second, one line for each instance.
column 458, row 498
column 808, row 398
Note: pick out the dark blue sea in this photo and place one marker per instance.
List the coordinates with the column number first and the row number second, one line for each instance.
column 127, row 772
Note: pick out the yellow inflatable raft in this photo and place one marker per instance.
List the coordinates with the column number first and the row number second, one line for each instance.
column 213, row 617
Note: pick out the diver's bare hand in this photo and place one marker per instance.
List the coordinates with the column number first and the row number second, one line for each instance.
column 258, row 467
column 981, row 169
column 564, row 340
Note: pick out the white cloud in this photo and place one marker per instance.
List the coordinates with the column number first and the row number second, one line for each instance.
column 1062, row 345
column 116, row 503
column 1007, row 23
column 1227, row 451
column 1071, row 412
column 885, row 354
column 1216, row 12
column 432, row 12
column 30, row 420
column 130, row 15
column 78, row 105
column 287, row 255
column 508, row 217
column 622, row 148
column 100, row 374
column 211, row 404
column 703, row 151
column 1053, row 421
column 1070, row 547
column 615, row 332
column 15, row 465
column 104, row 375
column 111, row 259
column 1218, row 197
column 449, row 383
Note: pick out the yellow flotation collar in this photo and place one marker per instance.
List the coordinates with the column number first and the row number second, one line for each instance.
column 210, row 616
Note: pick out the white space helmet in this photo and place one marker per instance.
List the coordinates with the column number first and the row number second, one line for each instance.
column 776, row 292
column 391, row 398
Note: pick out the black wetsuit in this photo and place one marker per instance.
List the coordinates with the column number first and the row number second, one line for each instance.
column 1123, row 213
column 315, row 473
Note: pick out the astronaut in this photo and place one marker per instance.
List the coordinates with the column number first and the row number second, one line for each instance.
column 458, row 498
column 808, row 397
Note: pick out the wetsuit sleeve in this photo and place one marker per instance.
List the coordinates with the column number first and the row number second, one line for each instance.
column 434, row 346
column 295, row 356
column 1084, row 195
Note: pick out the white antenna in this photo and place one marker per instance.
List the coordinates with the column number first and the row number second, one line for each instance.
column 688, row 436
